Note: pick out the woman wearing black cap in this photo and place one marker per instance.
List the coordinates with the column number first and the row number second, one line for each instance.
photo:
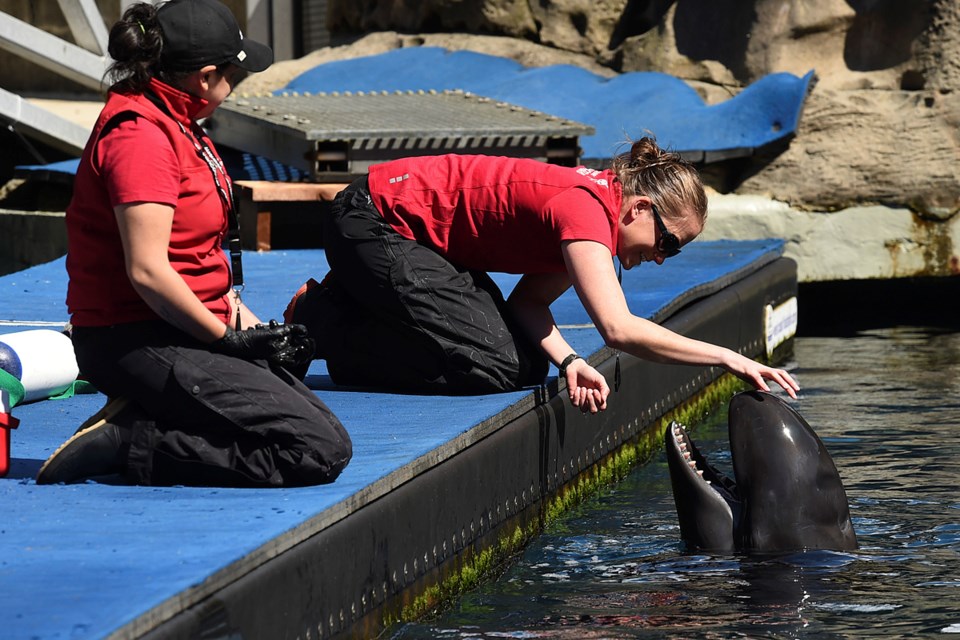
column 198, row 388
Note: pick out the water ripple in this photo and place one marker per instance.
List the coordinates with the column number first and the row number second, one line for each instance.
column 886, row 405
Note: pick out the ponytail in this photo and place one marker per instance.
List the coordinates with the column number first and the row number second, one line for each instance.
column 136, row 45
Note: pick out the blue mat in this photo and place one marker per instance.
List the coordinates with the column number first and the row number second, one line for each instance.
column 630, row 104
column 64, row 170
column 83, row 560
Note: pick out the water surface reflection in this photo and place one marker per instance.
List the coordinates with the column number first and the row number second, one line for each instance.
column 887, row 405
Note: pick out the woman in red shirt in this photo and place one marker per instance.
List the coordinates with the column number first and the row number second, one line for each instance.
column 408, row 305
column 199, row 389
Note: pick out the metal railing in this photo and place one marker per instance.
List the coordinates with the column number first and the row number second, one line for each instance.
column 85, row 62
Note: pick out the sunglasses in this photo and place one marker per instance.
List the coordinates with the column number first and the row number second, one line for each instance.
column 669, row 244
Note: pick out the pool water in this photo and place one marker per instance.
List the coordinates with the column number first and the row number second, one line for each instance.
column 887, row 405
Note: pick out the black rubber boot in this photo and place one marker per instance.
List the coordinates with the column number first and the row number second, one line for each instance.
column 98, row 448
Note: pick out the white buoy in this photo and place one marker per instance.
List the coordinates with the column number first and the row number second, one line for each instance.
column 42, row 359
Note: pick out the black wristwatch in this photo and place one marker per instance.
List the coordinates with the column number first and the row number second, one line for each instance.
column 566, row 363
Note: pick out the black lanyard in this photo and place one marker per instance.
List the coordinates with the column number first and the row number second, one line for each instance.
column 222, row 180
column 616, row 370
column 217, row 170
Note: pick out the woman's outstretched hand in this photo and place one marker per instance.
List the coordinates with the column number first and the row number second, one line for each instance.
column 757, row 374
column 586, row 387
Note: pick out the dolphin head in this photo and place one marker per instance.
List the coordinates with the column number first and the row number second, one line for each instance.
column 787, row 495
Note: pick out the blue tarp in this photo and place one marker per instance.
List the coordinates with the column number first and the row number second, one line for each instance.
column 627, row 105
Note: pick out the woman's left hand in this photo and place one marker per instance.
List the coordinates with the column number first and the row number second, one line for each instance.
column 757, row 374
column 587, row 388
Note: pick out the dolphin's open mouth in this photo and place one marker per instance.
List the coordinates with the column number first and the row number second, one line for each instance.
column 708, row 505
column 702, row 470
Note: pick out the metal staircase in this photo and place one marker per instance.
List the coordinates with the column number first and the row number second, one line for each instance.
column 85, row 63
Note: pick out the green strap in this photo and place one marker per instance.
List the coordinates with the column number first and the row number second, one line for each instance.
column 78, row 387
column 13, row 387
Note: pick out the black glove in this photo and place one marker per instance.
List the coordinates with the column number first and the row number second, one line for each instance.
column 286, row 345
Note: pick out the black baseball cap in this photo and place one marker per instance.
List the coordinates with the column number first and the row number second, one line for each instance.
column 197, row 33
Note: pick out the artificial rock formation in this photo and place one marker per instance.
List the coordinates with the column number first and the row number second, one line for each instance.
column 880, row 129
column 880, row 126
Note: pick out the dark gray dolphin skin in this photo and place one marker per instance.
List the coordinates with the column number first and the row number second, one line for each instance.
column 787, row 495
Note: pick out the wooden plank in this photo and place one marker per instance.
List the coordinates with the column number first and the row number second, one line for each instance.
column 268, row 191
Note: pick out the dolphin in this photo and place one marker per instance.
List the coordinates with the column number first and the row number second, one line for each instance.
column 787, row 495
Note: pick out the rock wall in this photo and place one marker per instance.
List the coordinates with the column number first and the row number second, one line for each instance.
column 854, row 44
column 880, row 126
column 856, row 243
column 869, row 187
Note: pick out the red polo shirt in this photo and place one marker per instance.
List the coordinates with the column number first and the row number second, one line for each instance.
column 137, row 153
column 494, row 213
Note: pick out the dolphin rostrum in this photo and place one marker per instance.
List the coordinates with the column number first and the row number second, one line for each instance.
column 787, row 495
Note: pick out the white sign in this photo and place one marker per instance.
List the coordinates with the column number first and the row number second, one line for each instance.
column 779, row 323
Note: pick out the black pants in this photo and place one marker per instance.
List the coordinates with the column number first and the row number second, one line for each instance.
column 207, row 419
column 395, row 314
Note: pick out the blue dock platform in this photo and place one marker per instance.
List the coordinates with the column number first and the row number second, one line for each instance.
column 439, row 489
